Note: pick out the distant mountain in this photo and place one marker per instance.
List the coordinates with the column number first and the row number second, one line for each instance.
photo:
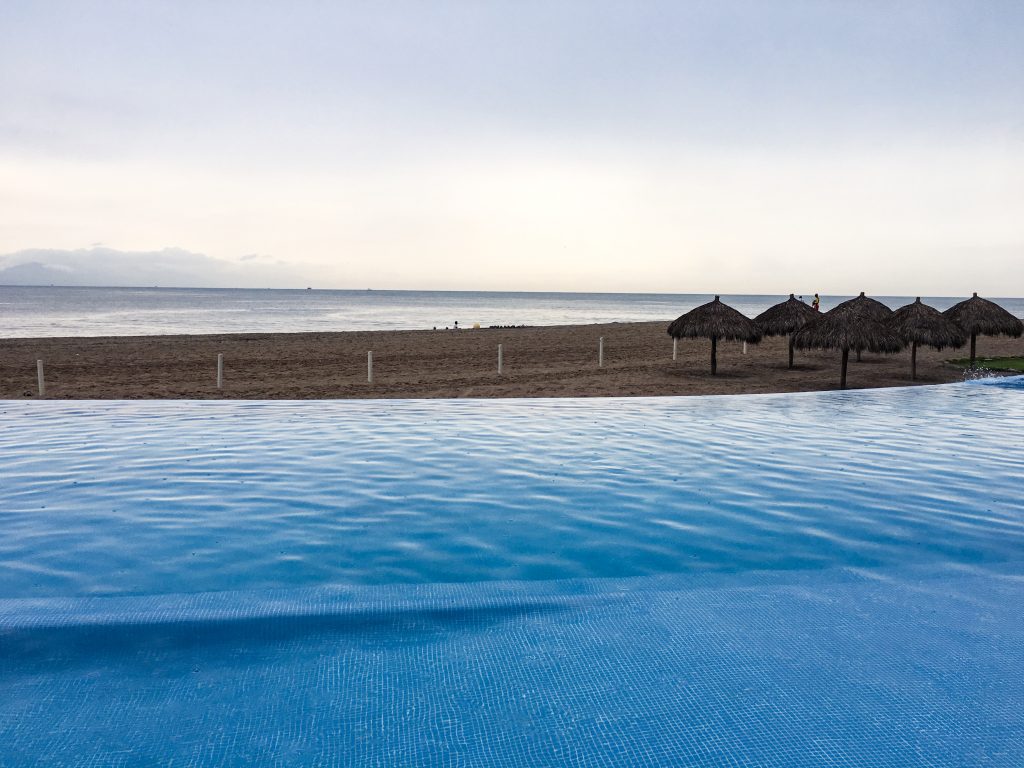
column 35, row 273
column 170, row 267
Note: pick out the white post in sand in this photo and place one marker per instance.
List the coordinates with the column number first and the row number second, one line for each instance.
column 499, row 359
column 744, row 347
column 39, row 375
column 220, row 371
column 675, row 347
column 369, row 367
column 600, row 352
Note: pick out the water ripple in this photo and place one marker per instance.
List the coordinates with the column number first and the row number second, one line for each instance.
column 155, row 497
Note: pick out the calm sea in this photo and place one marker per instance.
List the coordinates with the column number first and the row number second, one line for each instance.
column 32, row 312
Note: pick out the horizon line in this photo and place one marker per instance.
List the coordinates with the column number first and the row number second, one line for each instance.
column 471, row 290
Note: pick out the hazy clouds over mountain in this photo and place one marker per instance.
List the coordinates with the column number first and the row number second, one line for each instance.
column 171, row 267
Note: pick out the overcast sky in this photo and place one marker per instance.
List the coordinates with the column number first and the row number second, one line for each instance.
column 732, row 146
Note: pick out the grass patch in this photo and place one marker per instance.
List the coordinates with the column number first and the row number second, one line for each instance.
column 993, row 363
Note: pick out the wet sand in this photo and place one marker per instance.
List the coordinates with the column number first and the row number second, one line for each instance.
column 551, row 361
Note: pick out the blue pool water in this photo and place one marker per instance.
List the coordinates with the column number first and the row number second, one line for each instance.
column 780, row 580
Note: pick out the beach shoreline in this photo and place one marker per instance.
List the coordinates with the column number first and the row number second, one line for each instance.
column 538, row 361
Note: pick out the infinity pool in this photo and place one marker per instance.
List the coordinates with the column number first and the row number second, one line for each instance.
column 779, row 580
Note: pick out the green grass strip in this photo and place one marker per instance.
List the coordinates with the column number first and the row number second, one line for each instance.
column 993, row 363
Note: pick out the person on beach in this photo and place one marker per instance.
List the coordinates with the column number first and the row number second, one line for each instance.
column 816, row 304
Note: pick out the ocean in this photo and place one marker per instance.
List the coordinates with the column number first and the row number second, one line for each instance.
column 27, row 312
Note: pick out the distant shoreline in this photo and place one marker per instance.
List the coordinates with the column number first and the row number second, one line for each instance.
column 538, row 361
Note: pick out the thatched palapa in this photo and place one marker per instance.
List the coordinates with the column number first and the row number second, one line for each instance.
column 868, row 307
column 714, row 321
column 920, row 324
column 981, row 316
column 784, row 319
column 845, row 328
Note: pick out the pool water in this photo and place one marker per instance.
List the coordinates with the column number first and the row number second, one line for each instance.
column 810, row 579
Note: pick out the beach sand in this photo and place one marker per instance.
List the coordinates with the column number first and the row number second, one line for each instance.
column 551, row 361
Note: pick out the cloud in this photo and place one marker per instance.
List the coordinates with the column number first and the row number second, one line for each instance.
column 170, row 267
column 505, row 145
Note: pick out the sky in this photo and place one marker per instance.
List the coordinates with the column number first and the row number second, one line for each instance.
column 733, row 146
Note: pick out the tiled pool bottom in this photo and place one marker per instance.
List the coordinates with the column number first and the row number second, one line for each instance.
column 801, row 604
column 798, row 668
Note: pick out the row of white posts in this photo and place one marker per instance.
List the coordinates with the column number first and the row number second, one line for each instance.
column 501, row 361
column 41, row 378
column 369, row 364
column 675, row 348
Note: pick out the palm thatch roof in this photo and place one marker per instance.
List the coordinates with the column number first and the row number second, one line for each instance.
column 872, row 308
column 715, row 320
column 786, row 317
column 847, row 328
column 921, row 324
column 981, row 316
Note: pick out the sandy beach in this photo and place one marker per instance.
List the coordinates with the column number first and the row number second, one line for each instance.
column 553, row 361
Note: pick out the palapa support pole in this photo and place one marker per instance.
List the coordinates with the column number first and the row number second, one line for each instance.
column 744, row 347
column 858, row 355
column 714, row 355
column 499, row 359
column 39, row 377
column 369, row 367
column 600, row 352
column 974, row 341
column 675, row 347
column 913, row 361
column 791, row 351
column 220, row 371
column 842, row 376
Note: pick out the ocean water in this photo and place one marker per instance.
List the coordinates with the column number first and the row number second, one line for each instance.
column 45, row 312
column 781, row 580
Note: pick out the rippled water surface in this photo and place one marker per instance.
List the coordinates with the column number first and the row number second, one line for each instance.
column 785, row 581
column 144, row 498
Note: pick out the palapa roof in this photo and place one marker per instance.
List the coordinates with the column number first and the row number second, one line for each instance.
column 785, row 317
column 873, row 308
column 848, row 327
column 715, row 320
column 923, row 324
column 978, row 315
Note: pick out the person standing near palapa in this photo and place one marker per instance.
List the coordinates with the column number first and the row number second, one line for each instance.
column 816, row 304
